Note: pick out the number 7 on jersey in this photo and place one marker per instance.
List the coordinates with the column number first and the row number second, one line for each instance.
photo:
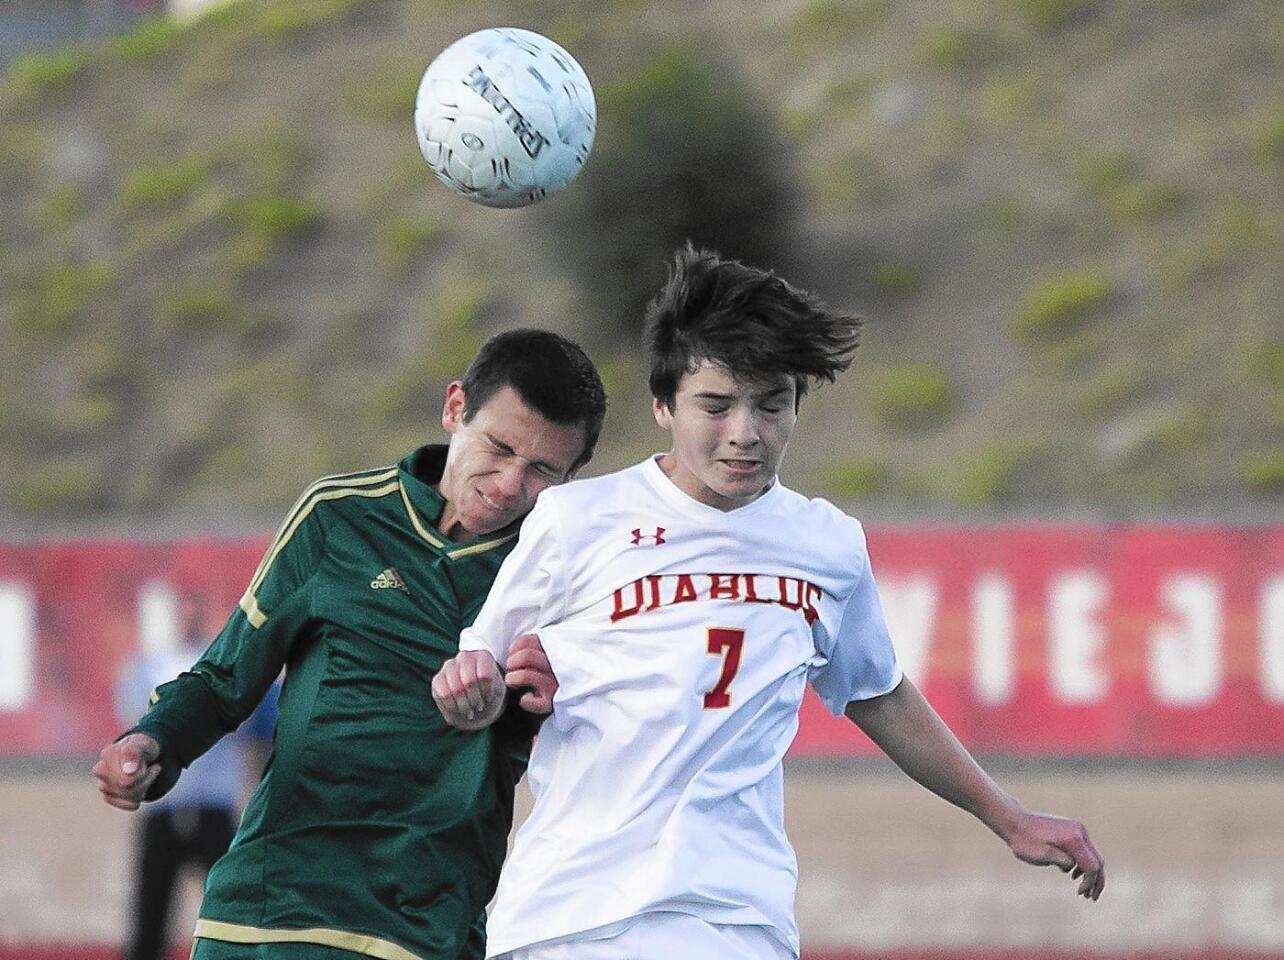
column 727, row 643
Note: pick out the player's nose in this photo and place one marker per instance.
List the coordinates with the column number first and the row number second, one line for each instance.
column 509, row 482
column 742, row 429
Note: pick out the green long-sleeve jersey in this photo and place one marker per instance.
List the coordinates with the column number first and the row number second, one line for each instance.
column 376, row 828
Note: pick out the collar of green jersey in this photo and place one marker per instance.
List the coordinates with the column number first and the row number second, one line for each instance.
column 418, row 473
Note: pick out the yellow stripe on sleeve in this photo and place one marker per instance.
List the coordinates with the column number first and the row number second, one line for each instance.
column 249, row 602
column 336, row 480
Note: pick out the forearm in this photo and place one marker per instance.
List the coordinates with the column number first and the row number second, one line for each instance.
column 906, row 728
column 185, row 719
column 911, row 733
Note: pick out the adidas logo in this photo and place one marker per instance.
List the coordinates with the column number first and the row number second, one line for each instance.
column 390, row 579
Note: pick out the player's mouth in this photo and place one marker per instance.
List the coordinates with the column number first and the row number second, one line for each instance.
column 741, row 467
column 491, row 504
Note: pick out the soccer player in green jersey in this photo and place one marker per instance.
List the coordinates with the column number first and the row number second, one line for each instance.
column 377, row 829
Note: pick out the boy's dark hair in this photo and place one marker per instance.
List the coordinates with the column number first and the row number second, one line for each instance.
column 552, row 375
column 744, row 319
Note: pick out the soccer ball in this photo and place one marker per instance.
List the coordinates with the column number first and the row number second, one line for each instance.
column 505, row 117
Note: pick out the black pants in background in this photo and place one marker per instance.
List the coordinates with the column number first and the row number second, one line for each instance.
column 170, row 840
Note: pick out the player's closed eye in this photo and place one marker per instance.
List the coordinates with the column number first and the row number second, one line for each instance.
column 501, row 448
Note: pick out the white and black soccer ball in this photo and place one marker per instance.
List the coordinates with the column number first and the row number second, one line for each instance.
column 505, row 117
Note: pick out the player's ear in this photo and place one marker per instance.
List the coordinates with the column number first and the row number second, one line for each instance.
column 452, row 411
column 663, row 415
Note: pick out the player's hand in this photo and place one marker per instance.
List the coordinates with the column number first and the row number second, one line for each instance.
column 127, row 769
column 469, row 690
column 528, row 667
column 1043, row 840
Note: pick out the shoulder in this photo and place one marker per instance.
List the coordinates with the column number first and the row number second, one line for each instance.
column 342, row 498
column 578, row 512
column 344, row 492
column 821, row 523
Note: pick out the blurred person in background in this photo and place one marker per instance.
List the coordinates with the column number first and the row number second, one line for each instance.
column 193, row 824
column 377, row 829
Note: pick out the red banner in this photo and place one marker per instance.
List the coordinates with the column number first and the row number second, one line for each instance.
column 1086, row 640
column 72, row 613
column 1033, row 641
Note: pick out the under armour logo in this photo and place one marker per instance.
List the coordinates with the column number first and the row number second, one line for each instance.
column 656, row 538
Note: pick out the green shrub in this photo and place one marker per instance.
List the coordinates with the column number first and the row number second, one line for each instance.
column 618, row 373
column 456, row 325
column 1145, row 202
column 912, row 396
column 91, row 414
column 1010, row 101
column 991, row 477
column 283, row 18
column 57, row 297
column 395, row 396
column 152, row 38
column 1006, row 215
column 956, row 48
column 1109, row 172
column 1109, row 393
column 271, row 164
column 1052, row 15
column 276, row 218
column 819, row 21
column 202, row 308
column 225, row 13
column 1271, row 141
column 1276, row 406
column 901, row 279
column 388, row 97
column 36, row 74
column 684, row 150
column 1178, row 434
column 1060, row 304
column 163, row 186
column 853, row 177
column 1266, row 364
column 248, row 252
column 21, row 147
column 846, row 90
column 852, row 477
column 798, row 122
column 388, row 398
column 62, row 205
column 401, row 239
column 1119, row 179
column 1070, row 355
column 60, row 486
column 1264, row 472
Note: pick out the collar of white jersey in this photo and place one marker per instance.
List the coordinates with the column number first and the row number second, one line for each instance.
column 689, row 505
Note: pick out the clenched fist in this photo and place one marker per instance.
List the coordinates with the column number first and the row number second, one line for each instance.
column 127, row 769
column 469, row 689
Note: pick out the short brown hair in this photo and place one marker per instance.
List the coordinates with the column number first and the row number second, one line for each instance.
column 746, row 320
column 552, row 375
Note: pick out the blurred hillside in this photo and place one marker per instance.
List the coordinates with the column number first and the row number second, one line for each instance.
column 225, row 270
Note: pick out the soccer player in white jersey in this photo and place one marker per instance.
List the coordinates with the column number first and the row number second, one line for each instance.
column 684, row 604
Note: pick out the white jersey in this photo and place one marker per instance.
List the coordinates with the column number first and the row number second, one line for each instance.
column 682, row 637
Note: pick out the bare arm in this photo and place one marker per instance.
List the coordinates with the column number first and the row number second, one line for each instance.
column 913, row 735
